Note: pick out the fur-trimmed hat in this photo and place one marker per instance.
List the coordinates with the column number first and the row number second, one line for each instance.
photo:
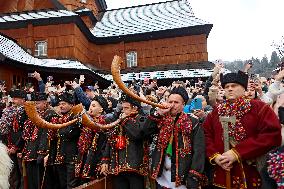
column 66, row 97
column 182, row 92
column 17, row 93
column 239, row 78
column 126, row 98
column 103, row 102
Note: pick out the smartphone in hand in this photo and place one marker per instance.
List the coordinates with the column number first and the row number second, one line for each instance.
column 197, row 104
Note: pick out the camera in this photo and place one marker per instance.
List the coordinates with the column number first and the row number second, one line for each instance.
column 49, row 78
column 31, row 74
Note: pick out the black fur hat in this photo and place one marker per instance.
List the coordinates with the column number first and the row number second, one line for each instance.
column 17, row 93
column 66, row 97
column 103, row 102
column 126, row 98
column 182, row 92
column 239, row 78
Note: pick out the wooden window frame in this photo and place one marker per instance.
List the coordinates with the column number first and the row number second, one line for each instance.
column 131, row 59
column 41, row 52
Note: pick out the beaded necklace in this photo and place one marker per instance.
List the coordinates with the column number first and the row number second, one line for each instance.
column 237, row 108
column 275, row 167
column 167, row 127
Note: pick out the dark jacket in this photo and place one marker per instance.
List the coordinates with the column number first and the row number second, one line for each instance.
column 187, row 163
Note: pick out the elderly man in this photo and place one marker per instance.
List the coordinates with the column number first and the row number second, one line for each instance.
column 255, row 132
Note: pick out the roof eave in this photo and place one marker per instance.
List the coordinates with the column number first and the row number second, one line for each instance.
column 177, row 32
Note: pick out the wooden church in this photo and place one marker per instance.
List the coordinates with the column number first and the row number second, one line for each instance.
column 64, row 38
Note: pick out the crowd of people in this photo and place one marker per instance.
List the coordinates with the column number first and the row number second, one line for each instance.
column 221, row 133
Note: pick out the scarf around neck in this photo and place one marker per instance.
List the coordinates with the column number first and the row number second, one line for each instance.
column 238, row 108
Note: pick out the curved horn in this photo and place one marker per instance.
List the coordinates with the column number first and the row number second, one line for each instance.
column 39, row 122
column 115, row 71
column 86, row 121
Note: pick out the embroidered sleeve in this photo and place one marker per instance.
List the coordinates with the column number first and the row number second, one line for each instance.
column 212, row 158
column 6, row 121
column 236, row 153
column 201, row 178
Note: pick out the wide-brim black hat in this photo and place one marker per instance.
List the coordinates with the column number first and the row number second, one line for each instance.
column 66, row 97
column 182, row 92
column 40, row 96
column 239, row 78
column 103, row 102
column 126, row 98
column 17, row 93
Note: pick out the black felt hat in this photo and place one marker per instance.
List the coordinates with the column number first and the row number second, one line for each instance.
column 239, row 78
column 66, row 97
column 40, row 96
column 102, row 101
column 126, row 98
column 17, row 93
column 182, row 92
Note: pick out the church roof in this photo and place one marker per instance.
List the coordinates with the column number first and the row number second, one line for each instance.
column 147, row 18
column 154, row 21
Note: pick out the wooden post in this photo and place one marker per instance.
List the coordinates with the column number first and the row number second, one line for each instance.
column 225, row 120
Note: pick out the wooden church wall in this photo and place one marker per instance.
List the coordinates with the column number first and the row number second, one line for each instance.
column 8, row 6
column 66, row 41
column 158, row 52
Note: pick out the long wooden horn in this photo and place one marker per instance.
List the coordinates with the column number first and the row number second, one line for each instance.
column 40, row 122
column 76, row 110
column 86, row 121
column 115, row 71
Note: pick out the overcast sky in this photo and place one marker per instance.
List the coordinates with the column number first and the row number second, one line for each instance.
column 241, row 28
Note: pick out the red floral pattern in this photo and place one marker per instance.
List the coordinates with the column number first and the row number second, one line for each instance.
column 167, row 126
column 237, row 108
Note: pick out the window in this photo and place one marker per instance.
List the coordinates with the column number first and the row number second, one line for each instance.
column 83, row 1
column 41, row 48
column 131, row 58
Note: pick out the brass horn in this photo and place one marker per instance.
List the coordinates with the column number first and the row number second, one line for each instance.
column 115, row 71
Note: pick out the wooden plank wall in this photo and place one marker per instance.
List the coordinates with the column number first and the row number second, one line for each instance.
column 75, row 4
column 8, row 6
column 158, row 52
column 66, row 41
column 12, row 76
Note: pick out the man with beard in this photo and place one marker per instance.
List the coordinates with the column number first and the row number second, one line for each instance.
column 11, row 124
column 63, row 147
column 255, row 132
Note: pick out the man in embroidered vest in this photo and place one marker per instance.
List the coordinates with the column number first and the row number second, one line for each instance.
column 34, row 138
column 177, row 154
column 11, row 124
column 63, row 148
column 255, row 132
column 126, row 152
